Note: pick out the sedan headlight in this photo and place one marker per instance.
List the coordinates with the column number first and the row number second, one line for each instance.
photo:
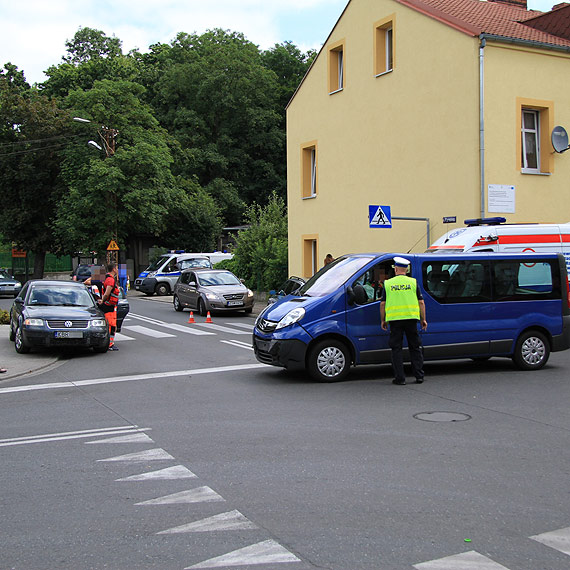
column 98, row 323
column 34, row 322
column 249, row 293
column 291, row 318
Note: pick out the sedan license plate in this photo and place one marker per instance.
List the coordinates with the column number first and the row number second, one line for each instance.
column 235, row 303
column 69, row 334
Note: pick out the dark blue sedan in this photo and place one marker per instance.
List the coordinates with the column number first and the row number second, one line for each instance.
column 57, row 314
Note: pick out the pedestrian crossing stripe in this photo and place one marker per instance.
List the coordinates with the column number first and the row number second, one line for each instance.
column 465, row 561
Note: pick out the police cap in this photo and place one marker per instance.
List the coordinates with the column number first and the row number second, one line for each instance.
column 401, row 262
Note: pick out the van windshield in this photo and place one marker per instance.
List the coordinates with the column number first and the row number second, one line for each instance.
column 333, row 276
column 156, row 264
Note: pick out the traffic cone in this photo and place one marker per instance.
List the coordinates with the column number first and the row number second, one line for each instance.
column 208, row 318
column 191, row 318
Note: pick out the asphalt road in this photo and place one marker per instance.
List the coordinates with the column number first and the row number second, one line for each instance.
column 181, row 451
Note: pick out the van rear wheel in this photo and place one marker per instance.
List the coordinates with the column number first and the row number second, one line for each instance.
column 531, row 351
column 329, row 361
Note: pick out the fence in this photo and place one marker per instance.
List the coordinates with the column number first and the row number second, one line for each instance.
column 17, row 265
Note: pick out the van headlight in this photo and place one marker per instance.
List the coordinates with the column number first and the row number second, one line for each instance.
column 291, row 318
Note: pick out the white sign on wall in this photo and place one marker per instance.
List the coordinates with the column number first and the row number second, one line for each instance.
column 501, row 198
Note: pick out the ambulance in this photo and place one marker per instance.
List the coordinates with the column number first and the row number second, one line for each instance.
column 493, row 234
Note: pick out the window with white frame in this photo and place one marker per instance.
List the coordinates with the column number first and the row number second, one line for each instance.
column 309, row 170
column 384, row 45
column 530, row 139
column 337, row 69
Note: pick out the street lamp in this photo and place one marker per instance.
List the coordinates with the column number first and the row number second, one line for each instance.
column 108, row 137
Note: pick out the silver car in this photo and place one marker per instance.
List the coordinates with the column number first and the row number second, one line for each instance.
column 9, row 285
column 211, row 290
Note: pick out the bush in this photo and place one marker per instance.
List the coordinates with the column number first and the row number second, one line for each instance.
column 261, row 251
column 4, row 317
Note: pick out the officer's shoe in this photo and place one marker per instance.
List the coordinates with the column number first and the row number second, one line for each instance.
column 399, row 382
column 419, row 380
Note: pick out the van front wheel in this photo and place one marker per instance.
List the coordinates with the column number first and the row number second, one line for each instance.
column 329, row 361
column 532, row 351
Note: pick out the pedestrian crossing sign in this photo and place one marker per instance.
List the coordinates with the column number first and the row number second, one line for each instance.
column 379, row 216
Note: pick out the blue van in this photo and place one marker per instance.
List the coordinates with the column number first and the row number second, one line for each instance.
column 478, row 305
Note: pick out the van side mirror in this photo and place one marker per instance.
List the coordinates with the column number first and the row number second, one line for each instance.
column 350, row 296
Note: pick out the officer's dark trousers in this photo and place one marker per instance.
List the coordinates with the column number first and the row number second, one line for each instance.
column 408, row 327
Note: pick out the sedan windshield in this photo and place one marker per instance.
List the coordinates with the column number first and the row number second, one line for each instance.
column 333, row 276
column 218, row 278
column 60, row 296
column 4, row 275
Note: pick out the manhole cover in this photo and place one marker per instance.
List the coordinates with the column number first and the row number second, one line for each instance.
column 442, row 417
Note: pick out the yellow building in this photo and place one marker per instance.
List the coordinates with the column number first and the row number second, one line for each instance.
column 433, row 108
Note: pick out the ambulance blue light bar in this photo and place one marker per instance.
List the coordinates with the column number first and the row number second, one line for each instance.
column 485, row 221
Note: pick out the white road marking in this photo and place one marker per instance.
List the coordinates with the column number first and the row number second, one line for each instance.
column 189, row 329
column 238, row 344
column 149, row 455
column 132, row 378
column 232, row 520
column 120, row 337
column 242, row 325
column 265, row 552
column 68, row 435
column 169, row 473
column 557, row 539
column 148, row 332
column 466, row 561
column 135, row 438
column 221, row 328
column 198, row 495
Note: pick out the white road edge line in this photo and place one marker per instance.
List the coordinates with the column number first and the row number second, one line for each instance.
column 131, row 378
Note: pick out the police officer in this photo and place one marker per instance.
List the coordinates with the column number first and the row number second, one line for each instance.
column 402, row 306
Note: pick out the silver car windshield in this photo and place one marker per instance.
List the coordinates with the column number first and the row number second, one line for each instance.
column 333, row 276
column 214, row 278
column 60, row 296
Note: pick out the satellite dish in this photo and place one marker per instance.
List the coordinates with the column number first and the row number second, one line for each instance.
column 559, row 139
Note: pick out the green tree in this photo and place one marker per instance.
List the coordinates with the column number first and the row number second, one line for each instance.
column 290, row 66
column 260, row 254
column 218, row 100
column 91, row 56
column 129, row 191
column 33, row 131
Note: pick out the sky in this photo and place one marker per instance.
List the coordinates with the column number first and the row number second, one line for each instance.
column 34, row 32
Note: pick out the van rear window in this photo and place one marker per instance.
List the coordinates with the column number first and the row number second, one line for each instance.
column 480, row 281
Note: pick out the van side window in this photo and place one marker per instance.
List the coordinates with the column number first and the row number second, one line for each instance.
column 461, row 282
column 520, row 281
column 368, row 287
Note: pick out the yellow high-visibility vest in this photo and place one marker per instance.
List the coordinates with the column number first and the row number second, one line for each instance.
column 401, row 298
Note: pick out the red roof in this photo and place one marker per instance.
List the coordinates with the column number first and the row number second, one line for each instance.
column 476, row 17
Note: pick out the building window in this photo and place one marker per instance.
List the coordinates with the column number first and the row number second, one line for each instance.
column 309, row 170
column 534, row 125
column 337, row 67
column 310, row 255
column 530, row 141
column 384, row 46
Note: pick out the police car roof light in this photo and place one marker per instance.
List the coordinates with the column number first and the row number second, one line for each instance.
column 485, row 221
